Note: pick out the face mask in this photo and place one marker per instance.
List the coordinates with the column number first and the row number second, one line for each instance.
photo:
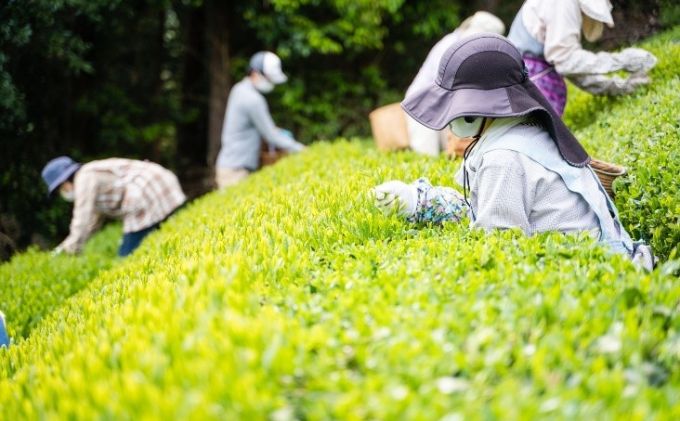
column 67, row 195
column 467, row 126
column 263, row 85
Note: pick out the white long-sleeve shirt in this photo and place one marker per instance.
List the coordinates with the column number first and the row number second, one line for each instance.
column 558, row 25
column 428, row 71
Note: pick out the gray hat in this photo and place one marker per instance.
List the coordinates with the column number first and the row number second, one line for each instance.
column 484, row 76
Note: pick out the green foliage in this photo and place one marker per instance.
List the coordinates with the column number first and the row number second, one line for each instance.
column 641, row 132
column 344, row 58
column 79, row 77
column 669, row 13
column 291, row 296
column 35, row 283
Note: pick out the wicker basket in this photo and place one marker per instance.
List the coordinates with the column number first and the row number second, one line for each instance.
column 388, row 125
column 270, row 155
column 607, row 173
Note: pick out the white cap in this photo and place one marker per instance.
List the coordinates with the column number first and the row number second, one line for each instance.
column 599, row 10
column 481, row 22
column 269, row 64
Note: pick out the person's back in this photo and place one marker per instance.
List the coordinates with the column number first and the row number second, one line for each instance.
column 141, row 192
column 241, row 141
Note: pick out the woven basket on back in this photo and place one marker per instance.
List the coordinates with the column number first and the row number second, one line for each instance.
column 607, row 173
column 388, row 124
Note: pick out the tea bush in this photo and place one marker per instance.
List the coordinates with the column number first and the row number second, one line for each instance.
column 34, row 283
column 291, row 297
column 641, row 132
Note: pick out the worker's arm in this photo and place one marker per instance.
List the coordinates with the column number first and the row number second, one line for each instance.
column 421, row 202
column 86, row 219
column 606, row 85
column 259, row 114
column 563, row 49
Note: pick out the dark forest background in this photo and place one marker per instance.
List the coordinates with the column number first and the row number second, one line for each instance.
column 149, row 79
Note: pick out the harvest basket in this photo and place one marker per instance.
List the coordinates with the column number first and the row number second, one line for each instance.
column 607, row 173
column 269, row 155
column 388, row 124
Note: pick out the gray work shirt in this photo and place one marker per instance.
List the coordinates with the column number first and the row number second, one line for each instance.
column 246, row 122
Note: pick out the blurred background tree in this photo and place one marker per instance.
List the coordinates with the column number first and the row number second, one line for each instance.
column 149, row 79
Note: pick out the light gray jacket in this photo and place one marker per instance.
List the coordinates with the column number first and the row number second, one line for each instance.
column 246, row 122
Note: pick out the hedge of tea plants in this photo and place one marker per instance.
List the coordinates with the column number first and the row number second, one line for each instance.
column 35, row 282
column 641, row 132
column 291, row 296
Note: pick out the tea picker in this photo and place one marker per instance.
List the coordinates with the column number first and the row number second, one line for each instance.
column 247, row 121
column 523, row 168
column 141, row 193
column 392, row 128
column 548, row 34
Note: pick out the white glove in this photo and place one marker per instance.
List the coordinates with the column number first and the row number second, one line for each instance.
column 57, row 251
column 606, row 85
column 644, row 257
column 636, row 60
column 396, row 196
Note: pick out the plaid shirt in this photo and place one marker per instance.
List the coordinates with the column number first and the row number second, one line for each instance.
column 139, row 192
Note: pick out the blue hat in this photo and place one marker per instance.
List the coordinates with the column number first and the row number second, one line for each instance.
column 57, row 171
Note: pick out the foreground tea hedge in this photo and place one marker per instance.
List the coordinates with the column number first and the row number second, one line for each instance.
column 291, row 297
column 35, row 283
column 642, row 132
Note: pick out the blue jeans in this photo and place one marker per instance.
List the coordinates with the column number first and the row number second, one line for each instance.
column 4, row 338
column 132, row 240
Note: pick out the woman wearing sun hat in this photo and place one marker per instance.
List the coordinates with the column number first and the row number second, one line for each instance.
column 523, row 169
column 548, row 34
column 422, row 139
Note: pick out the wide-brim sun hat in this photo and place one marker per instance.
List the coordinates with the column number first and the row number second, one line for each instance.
column 599, row 10
column 483, row 75
column 268, row 64
column 57, row 171
column 481, row 21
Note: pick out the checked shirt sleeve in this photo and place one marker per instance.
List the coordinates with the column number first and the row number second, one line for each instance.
column 437, row 204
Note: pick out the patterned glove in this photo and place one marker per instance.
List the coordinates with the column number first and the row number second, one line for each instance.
column 637, row 60
column 396, row 196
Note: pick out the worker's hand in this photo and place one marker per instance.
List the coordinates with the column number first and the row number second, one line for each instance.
column 637, row 80
column 637, row 60
column 396, row 197
column 287, row 133
column 620, row 86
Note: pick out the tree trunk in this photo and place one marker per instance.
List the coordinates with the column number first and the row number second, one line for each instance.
column 217, row 38
column 192, row 145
